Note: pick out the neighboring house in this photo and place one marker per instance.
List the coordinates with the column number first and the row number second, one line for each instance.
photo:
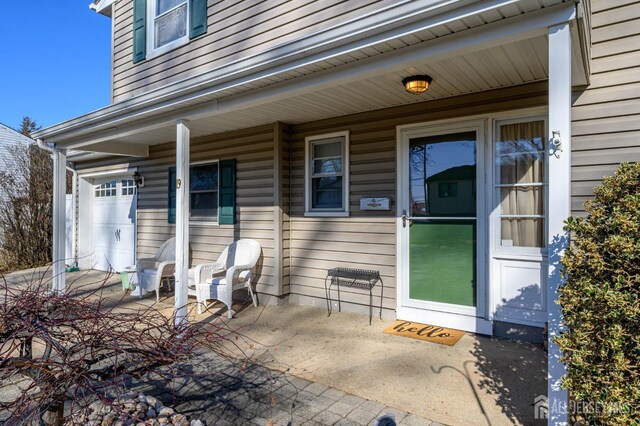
column 289, row 113
column 10, row 141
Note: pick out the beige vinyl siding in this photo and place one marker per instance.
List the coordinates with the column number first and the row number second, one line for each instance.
column 253, row 151
column 284, row 153
column 236, row 29
column 367, row 239
column 606, row 116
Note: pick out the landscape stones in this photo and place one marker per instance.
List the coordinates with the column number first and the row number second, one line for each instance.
column 132, row 410
column 165, row 411
column 152, row 402
column 109, row 419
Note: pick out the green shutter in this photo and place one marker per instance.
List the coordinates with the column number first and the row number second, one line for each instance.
column 171, row 201
column 197, row 18
column 227, row 193
column 139, row 30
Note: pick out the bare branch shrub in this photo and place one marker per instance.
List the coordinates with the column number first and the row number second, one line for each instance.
column 61, row 351
column 25, row 208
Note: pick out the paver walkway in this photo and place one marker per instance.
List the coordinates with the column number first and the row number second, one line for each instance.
column 226, row 392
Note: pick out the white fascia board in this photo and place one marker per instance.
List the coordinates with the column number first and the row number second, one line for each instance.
column 112, row 119
column 102, row 7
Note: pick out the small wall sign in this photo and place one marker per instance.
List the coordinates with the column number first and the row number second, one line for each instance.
column 375, row 204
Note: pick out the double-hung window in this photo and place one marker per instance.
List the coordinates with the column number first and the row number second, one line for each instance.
column 203, row 193
column 169, row 22
column 520, row 182
column 162, row 25
column 327, row 175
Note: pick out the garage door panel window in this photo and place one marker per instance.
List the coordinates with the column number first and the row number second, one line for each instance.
column 128, row 187
column 106, row 189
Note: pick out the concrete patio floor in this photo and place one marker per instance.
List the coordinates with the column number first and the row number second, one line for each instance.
column 479, row 381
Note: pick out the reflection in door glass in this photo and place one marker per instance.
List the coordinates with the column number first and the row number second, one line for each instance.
column 443, row 175
column 442, row 234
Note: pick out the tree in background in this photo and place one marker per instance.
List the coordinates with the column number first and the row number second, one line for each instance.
column 601, row 302
column 26, row 205
column 28, row 126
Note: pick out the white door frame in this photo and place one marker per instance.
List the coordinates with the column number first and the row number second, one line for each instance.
column 462, row 317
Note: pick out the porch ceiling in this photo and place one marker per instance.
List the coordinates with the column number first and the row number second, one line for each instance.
column 520, row 62
column 499, row 47
column 502, row 66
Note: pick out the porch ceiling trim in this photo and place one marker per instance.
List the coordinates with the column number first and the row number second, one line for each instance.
column 118, row 148
column 125, row 118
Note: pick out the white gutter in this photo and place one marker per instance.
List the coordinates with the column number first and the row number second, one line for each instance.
column 44, row 146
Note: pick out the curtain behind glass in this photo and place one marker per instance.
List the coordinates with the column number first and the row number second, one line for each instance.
column 520, row 159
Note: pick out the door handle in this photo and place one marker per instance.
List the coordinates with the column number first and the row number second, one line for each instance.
column 406, row 218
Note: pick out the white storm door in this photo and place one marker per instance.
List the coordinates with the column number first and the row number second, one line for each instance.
column 442, row 225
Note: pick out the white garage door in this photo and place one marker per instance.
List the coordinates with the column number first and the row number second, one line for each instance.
column 113, row 223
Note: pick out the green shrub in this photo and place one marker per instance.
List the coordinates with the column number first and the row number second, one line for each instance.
column 601, row 302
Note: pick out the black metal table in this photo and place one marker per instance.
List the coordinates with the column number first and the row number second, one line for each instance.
column 354, row 278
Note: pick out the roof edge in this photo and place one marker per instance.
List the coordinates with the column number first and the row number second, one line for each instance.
column 102, row 7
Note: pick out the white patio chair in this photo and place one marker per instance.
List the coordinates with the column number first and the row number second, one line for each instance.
column 154, row 271
column 232, row 271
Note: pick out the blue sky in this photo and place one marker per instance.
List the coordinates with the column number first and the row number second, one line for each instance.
column 54, row 60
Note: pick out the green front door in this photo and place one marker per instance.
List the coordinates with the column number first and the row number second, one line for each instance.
column 442, row 224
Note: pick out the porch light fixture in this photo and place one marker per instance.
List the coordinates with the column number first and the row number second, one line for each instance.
column 417, row 84
column 138, row 179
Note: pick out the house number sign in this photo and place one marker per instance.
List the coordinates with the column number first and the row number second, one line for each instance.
column 374, row 204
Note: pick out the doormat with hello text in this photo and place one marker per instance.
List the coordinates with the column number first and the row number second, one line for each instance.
column 430, row 333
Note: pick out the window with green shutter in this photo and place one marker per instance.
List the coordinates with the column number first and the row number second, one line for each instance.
column 171, row 202
column 227, row 209
column 139, row 30
column 212, row 193
column 172, row 23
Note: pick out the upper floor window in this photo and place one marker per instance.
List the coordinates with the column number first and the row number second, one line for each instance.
column 163, row 25
column 327, row 175
column 170, row 22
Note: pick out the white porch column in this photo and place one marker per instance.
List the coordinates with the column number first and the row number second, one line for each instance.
column 59, row 219
column 182, row 221
column 559, row 204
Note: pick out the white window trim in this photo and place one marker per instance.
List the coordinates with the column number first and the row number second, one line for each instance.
column 498, row 249
column 203, row 222
column 152, row 52
column 308, row 211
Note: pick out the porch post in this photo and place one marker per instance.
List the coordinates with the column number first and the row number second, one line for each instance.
column 559, row 205
column 182, row 221
column 59, row 219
